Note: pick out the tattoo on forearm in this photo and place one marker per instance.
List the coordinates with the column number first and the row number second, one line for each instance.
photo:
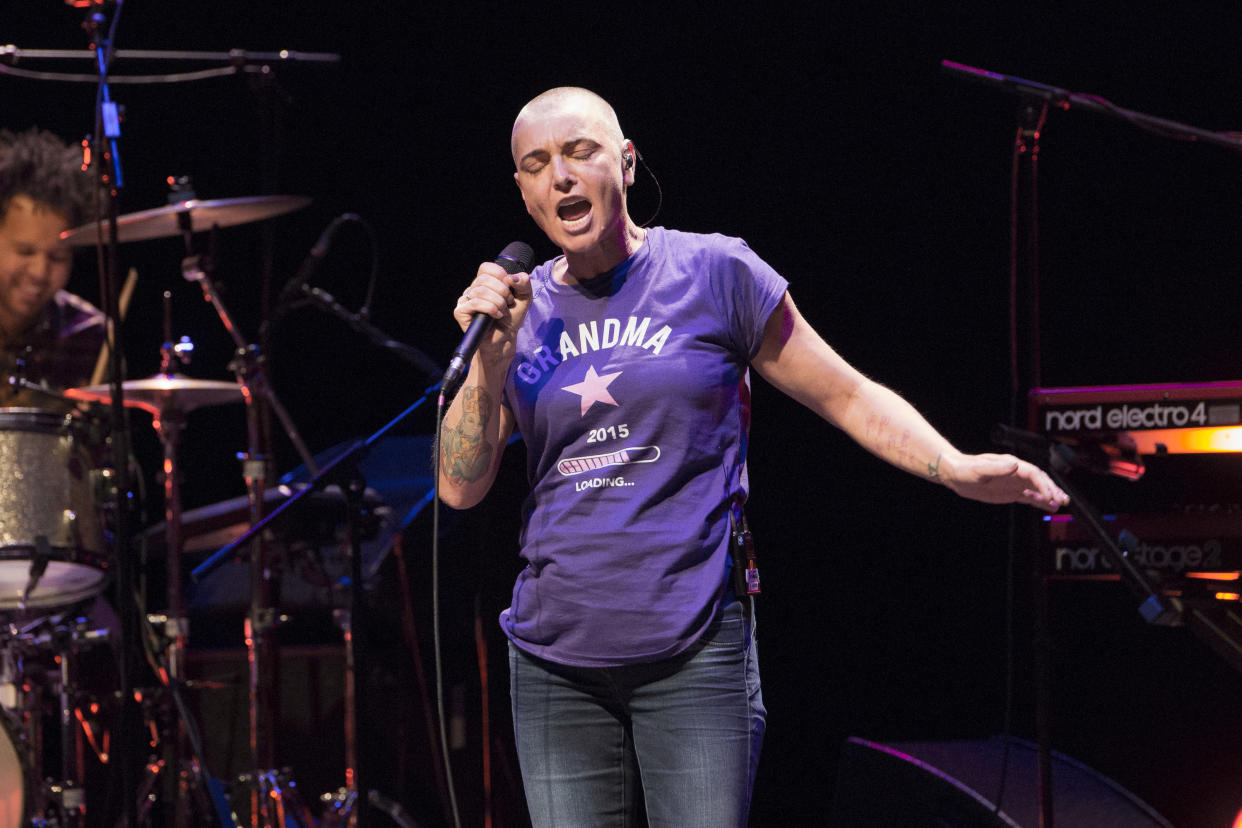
column 464, row 450
column 891, row 445
column 933, row 469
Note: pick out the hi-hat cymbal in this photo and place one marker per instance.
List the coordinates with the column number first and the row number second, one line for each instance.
column 195, row 215
column 163, row 392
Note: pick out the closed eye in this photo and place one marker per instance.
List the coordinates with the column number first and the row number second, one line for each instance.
column 534, row 161
column 582, row 150
column 579, row 149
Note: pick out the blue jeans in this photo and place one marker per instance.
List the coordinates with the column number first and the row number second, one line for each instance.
column 680, row 735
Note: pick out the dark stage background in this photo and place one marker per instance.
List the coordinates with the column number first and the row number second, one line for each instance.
column 830, row 139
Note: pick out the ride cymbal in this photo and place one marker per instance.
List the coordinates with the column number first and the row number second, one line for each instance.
column 163, row 392
column 193, row 215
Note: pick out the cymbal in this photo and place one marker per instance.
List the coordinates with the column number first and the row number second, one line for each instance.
column 161, row 222
column 208, row 528
column 398, row 467
column 163, row 392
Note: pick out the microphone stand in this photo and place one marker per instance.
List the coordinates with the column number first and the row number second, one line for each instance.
column 345, row 470
column 1065, row 99
column 108, row 132
column 227, row 63
column 1057, row 459
column 1035, row 99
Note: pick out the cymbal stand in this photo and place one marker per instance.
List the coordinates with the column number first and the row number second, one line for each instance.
column 348, row 808
column 349, row 811
column 343, row 468
column 185, row 775
column 266, row 806
column 169, row 423
column 189, row 781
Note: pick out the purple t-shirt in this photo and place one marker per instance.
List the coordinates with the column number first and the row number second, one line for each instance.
column 632, row 394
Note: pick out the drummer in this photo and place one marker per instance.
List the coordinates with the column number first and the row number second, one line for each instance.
column 48, row 336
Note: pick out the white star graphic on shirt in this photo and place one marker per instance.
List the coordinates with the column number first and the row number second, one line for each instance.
column 593, row 389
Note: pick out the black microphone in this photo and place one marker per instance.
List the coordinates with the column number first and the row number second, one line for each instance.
column 38, row 565
column 315, row 257
column 515, row 258
column 1029, row 446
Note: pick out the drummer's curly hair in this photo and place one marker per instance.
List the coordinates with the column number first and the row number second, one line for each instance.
column 40, row 165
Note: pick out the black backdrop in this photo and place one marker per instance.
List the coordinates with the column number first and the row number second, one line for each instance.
column 828, row 138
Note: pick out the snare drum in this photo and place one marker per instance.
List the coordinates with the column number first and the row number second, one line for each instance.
column 48, row 514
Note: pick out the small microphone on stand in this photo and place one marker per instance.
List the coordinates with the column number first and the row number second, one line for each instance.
column 315, row 257
column 358, row 322
column 42, row 556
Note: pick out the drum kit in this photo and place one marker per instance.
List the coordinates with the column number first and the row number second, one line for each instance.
column 57, row 510
column 86, row 736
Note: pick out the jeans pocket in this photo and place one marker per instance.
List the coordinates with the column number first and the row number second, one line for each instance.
column 729, row 630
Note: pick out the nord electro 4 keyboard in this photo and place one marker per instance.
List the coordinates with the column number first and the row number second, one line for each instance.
column 1190, row 418
column 1169, row 469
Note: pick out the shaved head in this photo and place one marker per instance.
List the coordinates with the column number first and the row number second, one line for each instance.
column 568, row 98
column 573, row 167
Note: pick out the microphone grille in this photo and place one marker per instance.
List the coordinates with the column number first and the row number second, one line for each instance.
column 516, row 257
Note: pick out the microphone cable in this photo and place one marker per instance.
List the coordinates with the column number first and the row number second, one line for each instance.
column 438, row 656
column 515, row 258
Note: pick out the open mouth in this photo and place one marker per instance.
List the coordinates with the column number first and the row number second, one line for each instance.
column 573, row 210
column 28, row 296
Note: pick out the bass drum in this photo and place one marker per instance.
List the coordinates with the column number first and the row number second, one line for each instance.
column 14, row 778
column 50, row 532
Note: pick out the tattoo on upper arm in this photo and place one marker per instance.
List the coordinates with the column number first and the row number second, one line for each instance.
column 464, row 451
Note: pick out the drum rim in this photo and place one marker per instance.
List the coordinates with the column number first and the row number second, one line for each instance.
column 54, row 600
column 43, row 419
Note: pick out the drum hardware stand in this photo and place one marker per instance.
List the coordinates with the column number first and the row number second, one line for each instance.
column 267, row 792
column 105, row 147
column 188, row 779
column 169, row 398
column 266, row 795
column 345, row 469
column 68, row 796
column 169, row 425
column 62, row 796
column 184, row 780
